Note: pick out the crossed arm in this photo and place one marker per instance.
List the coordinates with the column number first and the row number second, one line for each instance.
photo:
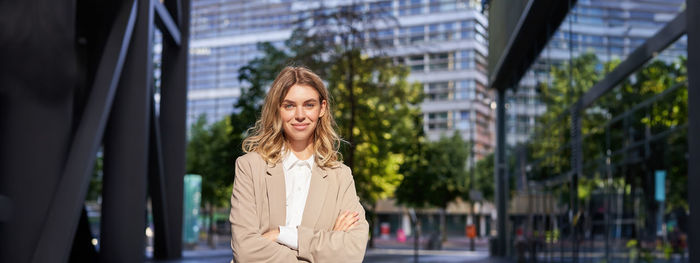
column 346, row 242
column 345, row 221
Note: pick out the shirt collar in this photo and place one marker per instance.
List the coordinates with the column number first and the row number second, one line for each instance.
column 290, row 160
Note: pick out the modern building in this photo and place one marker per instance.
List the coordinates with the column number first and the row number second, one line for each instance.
column 443, row 42
column 609, row 29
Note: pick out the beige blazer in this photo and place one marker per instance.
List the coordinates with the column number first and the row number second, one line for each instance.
column 258, row 205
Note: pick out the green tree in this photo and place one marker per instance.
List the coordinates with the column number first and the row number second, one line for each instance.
column 210, row 155
column 484, row 177
column 437, row 177
column 95, row 189
column 383, row 125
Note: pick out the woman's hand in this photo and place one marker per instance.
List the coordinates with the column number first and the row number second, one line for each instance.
column 346, row 220
column 272, row 234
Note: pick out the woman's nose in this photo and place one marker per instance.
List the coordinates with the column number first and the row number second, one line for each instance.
column 299, row 114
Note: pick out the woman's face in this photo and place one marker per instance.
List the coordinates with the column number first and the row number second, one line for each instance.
column 300, row 111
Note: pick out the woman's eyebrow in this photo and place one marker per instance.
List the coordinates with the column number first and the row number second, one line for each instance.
column 293, row 102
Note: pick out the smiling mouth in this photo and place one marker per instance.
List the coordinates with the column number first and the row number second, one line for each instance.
column 300, row 126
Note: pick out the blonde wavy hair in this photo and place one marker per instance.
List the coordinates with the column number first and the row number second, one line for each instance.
column 267, row 136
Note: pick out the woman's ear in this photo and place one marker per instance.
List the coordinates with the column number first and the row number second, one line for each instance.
column 323, row 108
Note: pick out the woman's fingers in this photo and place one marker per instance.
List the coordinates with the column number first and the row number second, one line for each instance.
column 353, row 223
column 355, row 220
column 349, row 220
column 346, row 220
column 340, row 221
column 272, row 234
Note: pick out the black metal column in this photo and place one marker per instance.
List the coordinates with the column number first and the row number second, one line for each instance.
column 126, row 152
column 500, row 170
column 156, row 189
column 37, row 84
column 693, row 31
column 173, row 113
column 61, row 221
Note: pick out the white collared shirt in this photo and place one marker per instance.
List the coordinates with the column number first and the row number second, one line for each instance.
column 297, row 179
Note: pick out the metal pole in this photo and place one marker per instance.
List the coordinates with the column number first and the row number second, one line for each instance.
column 173, row 113
column 576, row 169
column 416, row 233
column 608, row 193
column 472, row 163
column 693, row 65
column 126, row 150
column 500, row 170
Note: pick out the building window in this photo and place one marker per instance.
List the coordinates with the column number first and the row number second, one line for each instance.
column 440, row 61
column 462, row 122
column 465, row 89
column 410, row 7
column 439, row 91
column 438, row 121
column 465, row 59
column 416, row 63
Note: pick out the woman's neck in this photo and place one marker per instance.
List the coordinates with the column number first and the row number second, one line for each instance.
column 302, row 150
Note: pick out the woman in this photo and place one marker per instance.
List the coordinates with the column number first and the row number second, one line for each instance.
column 293, row 200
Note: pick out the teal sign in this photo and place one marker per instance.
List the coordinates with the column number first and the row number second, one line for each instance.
column 660, row 193
column 192, row 200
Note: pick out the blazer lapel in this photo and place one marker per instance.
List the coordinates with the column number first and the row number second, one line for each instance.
column 316, row 197
column 276, row 195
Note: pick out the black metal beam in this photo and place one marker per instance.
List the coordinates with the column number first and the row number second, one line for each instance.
column 501, row 174
column 530, row 36
column 123, row 223
column 576, row 165
column 166, row 23
column 62, row 219
column 5, row 209
column 156, row 189
column 173, row 113
column 693, row 65
column 651, row 47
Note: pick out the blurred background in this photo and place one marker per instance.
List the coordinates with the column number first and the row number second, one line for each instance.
column 477, row 131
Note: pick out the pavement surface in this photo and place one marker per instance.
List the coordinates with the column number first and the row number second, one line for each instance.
column 373, row 255
column 456, row 249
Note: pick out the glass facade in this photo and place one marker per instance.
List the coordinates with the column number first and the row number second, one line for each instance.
column 610, row 30
column 609, row 182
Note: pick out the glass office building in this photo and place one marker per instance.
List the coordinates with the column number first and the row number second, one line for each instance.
column 443, row 42
column 609, row 29
column 609, row 173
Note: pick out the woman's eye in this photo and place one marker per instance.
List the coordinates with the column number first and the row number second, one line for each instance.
column 310, row 105
column 288, row 106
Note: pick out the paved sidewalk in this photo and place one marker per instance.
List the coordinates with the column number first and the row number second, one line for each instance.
column 372, row 256
column 452, row 243
column 385, row 251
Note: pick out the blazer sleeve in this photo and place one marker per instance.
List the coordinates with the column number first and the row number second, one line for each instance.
column 247, row 241
column 337, row 246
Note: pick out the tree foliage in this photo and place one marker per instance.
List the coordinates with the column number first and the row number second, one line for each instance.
column 209, row 154
column 383, row 109
column 484, row 177
column 437, row 178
